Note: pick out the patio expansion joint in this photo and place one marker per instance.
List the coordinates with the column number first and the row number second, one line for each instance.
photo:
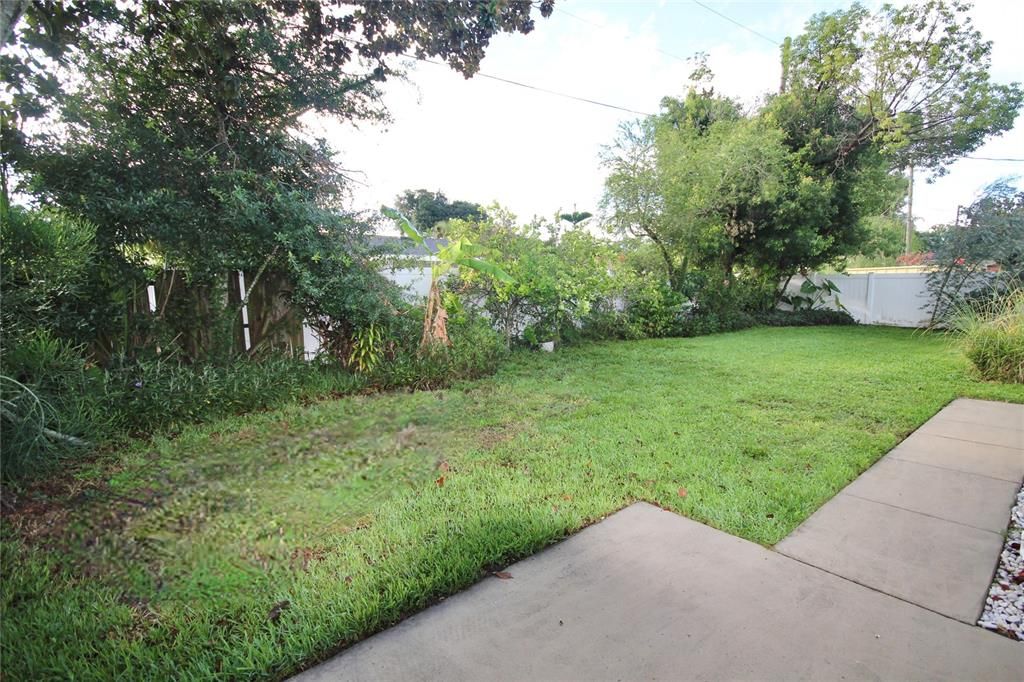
column 895, row 456
column 972, row 422
column 920, row 513
column 877, row 590
column 962, row 440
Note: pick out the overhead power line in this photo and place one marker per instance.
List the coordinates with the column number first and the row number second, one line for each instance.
column 733, row 21
column 552, row 92
column 587, row 100
column 527, row 86
column 990, row 158
column 577, row 98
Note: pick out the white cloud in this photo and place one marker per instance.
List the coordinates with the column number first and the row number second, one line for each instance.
column 482, row 140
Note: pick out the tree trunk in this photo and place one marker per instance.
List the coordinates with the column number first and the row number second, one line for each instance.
column 435, row 321
column 730, row 259
column 673, row 278
column 11, row 12
column 779, row 293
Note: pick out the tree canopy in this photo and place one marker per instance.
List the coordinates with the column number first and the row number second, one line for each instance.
column 427, row 209
column 179, row 130
column 796, row 183
column 913, row 81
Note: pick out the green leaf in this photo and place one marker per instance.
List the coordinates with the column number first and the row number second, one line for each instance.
column 405, row 225
column 487, row 268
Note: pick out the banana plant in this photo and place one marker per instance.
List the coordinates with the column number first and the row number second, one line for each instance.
column 458, row 253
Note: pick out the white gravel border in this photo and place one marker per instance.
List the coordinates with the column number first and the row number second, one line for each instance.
column 1004, row 607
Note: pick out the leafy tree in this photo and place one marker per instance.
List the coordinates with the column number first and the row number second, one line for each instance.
column 789, row 188
column 983, row 254
column 554, row 282
column 735, row 195
column 633, row 202
column 45, row 258
column 865, row 94
column 181, row 137
column 38, row 39
column 721, row 183
column 885, row 238
column 428, row 209
column 337, row 286
column 914, row 80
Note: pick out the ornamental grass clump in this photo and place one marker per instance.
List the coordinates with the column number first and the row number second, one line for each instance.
column 992, row 336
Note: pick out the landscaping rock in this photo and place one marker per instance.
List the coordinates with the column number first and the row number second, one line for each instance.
column 1004, row 607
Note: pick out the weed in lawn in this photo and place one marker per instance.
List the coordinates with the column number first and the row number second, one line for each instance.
column 181, row 559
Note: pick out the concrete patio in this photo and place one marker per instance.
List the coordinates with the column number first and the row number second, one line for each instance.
column 885, row 581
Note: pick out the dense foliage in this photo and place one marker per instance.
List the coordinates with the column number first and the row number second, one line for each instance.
column 571, row 285
column 980, row 256
column 166, row 147
column 428, row 209
column 182, row 141
column 812, row 176
column 555, row 279
column 977, row 282
column 186, row 221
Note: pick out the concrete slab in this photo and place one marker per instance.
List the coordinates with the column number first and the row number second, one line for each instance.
column 1006, row 464
column 647, row 594
column 970, row 499
column 940, row 565
column 942, row 425
column 986, row 413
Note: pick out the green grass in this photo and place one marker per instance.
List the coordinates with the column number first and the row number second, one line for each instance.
column 168, row 559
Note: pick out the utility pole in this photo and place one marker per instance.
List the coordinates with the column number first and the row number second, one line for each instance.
column 910, row 212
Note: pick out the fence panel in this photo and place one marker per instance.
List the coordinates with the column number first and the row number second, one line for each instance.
column 899, row 299
column 272, row 320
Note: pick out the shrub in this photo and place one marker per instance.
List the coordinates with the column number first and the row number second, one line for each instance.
column 51, row 403
column 605, row 320
column 476, row 351
column 150, row 395
column 555, row 283
column 55, row 404
column 338, row 287
column 991, row 334
column 704, row 322
column 45, row 261
column 656, row 310
column 992, row 234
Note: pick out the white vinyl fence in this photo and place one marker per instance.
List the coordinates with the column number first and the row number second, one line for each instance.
column 900, row 299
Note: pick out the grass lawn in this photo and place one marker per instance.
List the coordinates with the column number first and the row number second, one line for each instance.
column 256, row 545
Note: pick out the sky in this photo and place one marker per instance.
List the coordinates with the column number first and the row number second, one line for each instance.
column 537, row 154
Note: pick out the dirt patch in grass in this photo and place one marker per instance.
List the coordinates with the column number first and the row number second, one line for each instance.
column 356, row 512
